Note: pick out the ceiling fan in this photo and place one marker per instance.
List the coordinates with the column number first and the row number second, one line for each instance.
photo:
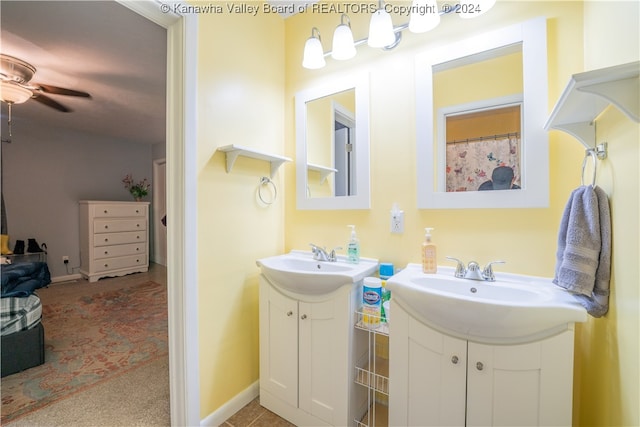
column 15, row 77
column 16, row 87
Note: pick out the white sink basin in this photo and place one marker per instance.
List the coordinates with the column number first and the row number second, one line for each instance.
column 514, row 308
column 298, row 272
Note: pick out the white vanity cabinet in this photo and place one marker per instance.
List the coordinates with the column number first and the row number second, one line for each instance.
column 306, row 354
column 440, row 380
column 114, row 238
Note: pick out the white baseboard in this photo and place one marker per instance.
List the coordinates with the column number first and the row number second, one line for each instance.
column 223, row 413
column 66, row 278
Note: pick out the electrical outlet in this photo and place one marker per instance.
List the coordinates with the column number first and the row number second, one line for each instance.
column 397, row 222
column 65, row 259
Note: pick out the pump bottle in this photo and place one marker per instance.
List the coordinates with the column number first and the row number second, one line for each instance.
column 353, row 247
column 429, row 260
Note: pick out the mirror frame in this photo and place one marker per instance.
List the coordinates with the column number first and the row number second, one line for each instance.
column 532, row 35
column 362, row 200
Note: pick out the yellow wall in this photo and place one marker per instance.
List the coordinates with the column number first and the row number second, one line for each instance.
column 240, row 101
column 607, row 353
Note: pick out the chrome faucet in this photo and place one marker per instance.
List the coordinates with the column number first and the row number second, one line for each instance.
column 472, row 271
column 320, row 254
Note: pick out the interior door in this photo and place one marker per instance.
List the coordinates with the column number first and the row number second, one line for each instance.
column 159, row 255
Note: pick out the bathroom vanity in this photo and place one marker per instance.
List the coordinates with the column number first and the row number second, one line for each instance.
column 473, row 353
column 307, row 344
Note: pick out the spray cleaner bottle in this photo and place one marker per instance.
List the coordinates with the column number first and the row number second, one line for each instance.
column 353, row 247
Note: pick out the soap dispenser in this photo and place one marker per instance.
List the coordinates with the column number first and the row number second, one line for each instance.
column 429, row 260
column 353, row 247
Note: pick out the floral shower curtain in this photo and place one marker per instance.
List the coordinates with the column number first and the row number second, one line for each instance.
column 470, row 163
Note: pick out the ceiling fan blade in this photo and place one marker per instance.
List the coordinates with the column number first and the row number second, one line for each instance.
column 60, row 90
column 45, row 100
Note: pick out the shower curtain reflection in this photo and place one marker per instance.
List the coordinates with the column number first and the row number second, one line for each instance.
column 471, row 162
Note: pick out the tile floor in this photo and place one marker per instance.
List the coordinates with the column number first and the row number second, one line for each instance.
column 255, row 415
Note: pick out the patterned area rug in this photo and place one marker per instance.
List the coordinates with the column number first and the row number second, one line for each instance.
column 90, row 340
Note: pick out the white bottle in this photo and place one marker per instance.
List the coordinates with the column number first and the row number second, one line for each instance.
column 353, row 247
column 371, row 302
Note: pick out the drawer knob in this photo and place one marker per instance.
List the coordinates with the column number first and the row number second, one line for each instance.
column 454, row 360
column 137, row 211
column 137, row 249
column 479, row 366
column 106, row 252
column 138, row 237
column 105, row 211
column 289, row 313
column 138, row 225
column 106, row 240
column 106, row 226
column 304, row 316
column 106, row 265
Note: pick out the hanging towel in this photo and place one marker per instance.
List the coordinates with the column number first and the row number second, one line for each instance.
column 583, row 260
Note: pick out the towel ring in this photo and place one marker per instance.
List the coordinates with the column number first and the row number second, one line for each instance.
column 590, row 152
column 264, row 181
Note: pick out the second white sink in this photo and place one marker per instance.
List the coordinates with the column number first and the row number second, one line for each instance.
column 514, row 308
column 298, row 272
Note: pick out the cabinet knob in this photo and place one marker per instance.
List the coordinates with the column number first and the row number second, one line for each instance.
column 454, row 360
column 106, row 226
column 289, row 313
column 137, row 237
column 105, row 211
column 106, row 265
column 138, row 225
column 479, row 366
column 304, row 316
column 106, row 252
column 137, row 211
column 106, row 240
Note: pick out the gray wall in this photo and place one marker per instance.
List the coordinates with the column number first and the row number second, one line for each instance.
column 47, row 171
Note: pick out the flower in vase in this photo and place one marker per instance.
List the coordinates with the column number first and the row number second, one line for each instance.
column 139, row 190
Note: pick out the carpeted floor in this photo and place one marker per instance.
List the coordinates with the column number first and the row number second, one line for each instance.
column 89, row 339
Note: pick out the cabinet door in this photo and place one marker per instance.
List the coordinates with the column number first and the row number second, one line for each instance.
column 427, row 374
column 324, row 348
column 521, row 385
column 278, row 344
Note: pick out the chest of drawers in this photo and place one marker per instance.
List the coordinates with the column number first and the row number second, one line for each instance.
column 114, row 238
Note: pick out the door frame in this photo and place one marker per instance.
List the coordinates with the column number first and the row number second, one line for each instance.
column 182, row 278
column 159, row 208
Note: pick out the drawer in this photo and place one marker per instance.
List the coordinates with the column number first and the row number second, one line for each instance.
column 117, row 225
column 119, row 210
column 119, row 250
column 109, row 264
column 108, row 239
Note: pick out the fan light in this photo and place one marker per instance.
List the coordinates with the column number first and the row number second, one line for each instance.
column 12, row 93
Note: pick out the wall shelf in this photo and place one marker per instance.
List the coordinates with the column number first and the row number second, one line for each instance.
column 233, row 151
column 588, row 94
column 323, row 170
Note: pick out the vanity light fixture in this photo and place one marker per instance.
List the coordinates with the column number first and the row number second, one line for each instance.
column 343, row 44
column 424, row 17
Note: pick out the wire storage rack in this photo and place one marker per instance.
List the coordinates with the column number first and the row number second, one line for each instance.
column 372, row 372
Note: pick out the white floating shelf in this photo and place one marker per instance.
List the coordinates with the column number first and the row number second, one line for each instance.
column 233, row 151
column 588, row 94
column 324, row 171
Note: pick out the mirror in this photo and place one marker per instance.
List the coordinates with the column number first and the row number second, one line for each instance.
column 332, row 145
column 481, row 107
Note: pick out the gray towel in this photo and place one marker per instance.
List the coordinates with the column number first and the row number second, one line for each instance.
column 583, row 264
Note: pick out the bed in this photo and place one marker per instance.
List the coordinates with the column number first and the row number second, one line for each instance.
column 21, row 330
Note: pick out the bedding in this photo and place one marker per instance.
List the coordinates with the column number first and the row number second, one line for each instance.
column 19, row 314
column 20, row 280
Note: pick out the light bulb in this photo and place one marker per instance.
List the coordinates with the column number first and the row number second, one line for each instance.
column 381, row 29
column 313, row 57
column 424, row 16
column 343, row 45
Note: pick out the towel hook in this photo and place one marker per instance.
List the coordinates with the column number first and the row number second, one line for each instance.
column 599, row 152
column 590, row 152
column 264, row 181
